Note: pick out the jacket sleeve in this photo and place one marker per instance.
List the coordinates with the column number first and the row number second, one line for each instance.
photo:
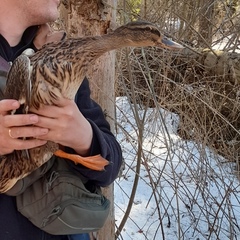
column 103, row 141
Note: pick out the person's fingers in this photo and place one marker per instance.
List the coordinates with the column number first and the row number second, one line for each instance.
column 7, row 105
column 24, row 132
column 19, row 120
column 20, row 144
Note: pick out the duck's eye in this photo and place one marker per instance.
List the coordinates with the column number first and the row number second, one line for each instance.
column 155, row 31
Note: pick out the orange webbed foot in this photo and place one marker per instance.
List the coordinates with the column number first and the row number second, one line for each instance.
column 96, row 162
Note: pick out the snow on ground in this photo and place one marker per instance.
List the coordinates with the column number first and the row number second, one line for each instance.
column 196, row 195
column 228, row 43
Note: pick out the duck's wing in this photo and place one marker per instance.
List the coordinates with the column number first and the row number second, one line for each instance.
column 18, row 85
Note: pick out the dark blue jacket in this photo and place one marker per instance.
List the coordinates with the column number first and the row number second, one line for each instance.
column 13, row 226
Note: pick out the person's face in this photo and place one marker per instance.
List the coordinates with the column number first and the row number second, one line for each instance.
column 38, row 12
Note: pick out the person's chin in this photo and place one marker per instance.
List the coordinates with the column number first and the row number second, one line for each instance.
column 53, row 16
column 57, row 2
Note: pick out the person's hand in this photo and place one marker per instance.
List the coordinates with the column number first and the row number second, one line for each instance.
column 13, row 128
column 66, row 125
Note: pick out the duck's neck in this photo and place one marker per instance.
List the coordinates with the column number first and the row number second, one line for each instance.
column 98, row 45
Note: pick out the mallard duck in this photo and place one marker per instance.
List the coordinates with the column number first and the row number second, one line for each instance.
column 57, row 70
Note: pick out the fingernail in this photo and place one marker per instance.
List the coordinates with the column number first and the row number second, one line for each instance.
column 15, row 104
column 34, row 118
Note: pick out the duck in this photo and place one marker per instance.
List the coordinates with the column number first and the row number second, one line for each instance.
column 55, row 71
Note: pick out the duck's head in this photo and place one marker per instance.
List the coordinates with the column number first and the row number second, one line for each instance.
column 142, row 34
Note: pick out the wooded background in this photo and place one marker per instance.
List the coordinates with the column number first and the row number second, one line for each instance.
column 209, row 112
column 201, row 84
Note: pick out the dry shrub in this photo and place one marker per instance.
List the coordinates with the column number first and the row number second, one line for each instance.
column 202, row 88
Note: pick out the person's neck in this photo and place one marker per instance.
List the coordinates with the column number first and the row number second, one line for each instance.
column 12, row 38
column 11, row 29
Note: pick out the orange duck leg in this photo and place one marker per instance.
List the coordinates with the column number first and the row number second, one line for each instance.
column 96, row 162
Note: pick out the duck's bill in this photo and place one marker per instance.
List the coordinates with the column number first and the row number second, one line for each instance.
column 169, row 44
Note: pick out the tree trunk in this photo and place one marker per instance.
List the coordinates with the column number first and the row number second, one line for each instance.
column 96, row 17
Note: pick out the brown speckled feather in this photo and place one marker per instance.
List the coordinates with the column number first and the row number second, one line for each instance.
column 57, row 70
